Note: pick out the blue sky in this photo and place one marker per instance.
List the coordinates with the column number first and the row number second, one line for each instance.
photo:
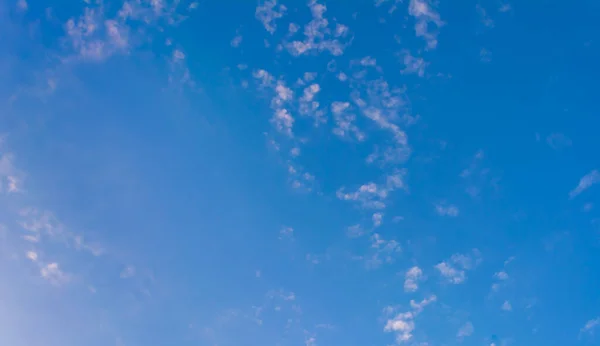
column 299, row 173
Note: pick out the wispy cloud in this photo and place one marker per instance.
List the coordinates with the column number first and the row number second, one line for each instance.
column 585, row 183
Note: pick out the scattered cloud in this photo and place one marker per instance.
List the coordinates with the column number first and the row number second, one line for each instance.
column 585, row 183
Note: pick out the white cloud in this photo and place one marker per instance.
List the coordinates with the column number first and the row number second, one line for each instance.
column 466, row 330
column 425, row 17
column 447, row 210
column 268, row 13
column 412, row 278
column 590, row 326
column 585, row 183
column 506, row 306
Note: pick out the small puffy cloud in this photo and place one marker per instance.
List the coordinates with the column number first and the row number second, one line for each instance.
column 412, row 278
column 585, row 183
column 466, row 330
column 446, row 210
column 506, row 306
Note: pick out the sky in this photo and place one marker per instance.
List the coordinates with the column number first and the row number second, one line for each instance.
column 299, row 172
